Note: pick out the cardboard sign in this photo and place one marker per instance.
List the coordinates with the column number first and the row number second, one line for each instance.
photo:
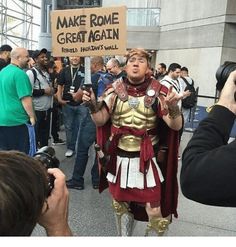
column 89, row 32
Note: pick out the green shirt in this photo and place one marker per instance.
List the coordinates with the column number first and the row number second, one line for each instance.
column 14, row 85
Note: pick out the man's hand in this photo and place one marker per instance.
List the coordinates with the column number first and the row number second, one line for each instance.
column 54, row 217
column 77, row 96
column 172, row 98
column 63, row 102
column 32, row 120
column 186, row 94
column 227, row 98
column 88, row 96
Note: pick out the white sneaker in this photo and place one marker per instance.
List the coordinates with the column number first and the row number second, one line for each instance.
column 69, row 153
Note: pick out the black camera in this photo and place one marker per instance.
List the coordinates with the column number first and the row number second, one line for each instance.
column 46, row 155
column 223, row 72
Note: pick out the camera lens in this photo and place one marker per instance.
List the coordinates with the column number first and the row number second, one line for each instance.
column 223, row 72
column 48, row 159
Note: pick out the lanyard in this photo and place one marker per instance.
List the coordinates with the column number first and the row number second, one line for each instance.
column 73, row 76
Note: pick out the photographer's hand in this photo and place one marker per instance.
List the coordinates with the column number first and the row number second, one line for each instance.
column 227, row 98
column 54, row 216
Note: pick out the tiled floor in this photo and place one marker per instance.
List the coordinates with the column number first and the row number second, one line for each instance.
column 90, row 213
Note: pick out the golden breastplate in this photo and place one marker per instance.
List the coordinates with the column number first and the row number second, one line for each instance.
column 134, row 114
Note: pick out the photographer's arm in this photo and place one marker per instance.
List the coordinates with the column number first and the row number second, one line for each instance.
column 209, row 163
column 54, row 217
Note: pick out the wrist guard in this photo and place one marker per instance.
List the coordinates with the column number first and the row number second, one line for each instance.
column 93, row 106
column 174, row 112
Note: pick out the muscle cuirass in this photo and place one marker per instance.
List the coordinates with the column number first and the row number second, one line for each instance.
column 134, row 114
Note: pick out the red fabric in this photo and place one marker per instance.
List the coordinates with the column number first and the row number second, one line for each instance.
column 152, row 194
column 146, row 149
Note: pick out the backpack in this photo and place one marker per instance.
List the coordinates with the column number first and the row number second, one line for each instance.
column 104, row 80
column 35, row 74
column 191, row 100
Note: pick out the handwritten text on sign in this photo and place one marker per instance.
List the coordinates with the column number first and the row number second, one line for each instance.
column 89, row 32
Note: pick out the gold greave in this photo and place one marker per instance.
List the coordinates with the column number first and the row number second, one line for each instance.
column 158, row 225
column 124, row 219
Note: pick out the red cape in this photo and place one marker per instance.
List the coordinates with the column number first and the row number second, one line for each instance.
column 169, row 188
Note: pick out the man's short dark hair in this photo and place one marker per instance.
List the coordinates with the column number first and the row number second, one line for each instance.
column 162, row 65
column 23, row 191
column 184, row 69
column 5, row 48
column 173, row 67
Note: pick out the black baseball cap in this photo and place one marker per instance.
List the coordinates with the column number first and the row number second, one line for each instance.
column 5, row 48
column 36, row 53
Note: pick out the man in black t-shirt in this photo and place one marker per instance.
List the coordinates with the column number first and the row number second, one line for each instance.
column 69, row 81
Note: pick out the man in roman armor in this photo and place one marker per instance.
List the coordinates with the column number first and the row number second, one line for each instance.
column 138, row 123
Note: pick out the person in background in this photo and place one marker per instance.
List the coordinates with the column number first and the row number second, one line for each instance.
column 113, row 67
column 69, row 81
column 172, row 80
column 5, row 58
column 137, row 107
column 55, row 125
column 31, row 63
column 25, row 202
column 184, row 79
column 16, row 107
column 42, row 96
column 87, row 135
column 208, row 163
column 161, row 71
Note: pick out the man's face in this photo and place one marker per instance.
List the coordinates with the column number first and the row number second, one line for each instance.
column 175, row 74
column 160, row 69
column 42, row 59
column 136, row 68
column 74, row 61
column 7, row 56
column 184, row 73
column 31, row 63
column 111, row 68
column 23, row 59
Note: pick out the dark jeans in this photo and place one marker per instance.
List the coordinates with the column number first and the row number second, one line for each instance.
column 86, row 137
column 14, row 138
column 55, row 121
column 72, row 117
column 42, row 127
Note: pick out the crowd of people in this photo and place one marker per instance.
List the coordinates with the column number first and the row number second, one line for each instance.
column 133, row 114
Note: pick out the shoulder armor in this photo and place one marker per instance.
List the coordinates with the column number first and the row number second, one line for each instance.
column 120, row 89
column 109, row 98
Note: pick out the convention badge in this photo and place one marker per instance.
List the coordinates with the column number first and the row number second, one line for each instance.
column 80, row 74
column 133, row 102
column 72, row 89
column 150, row 92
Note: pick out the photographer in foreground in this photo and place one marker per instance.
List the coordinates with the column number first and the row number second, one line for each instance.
column 24, row 200
column 209, row 162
